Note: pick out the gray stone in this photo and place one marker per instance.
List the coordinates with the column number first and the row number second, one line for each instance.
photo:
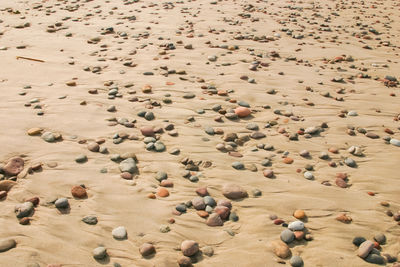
column 252, row 126
column 128, row 165
column 209, row 130
column 233, row 217
column 99, row 253
column 238, row 165
column 308, row 175
column 208, row 251
column 296, row 261
column 160, row 175
column 350, row 162
column 380, row 238
column 119, row 233
column 287, row 236
column 375, row 258
column 296, row 226
column 62, row 203
column 48, row 137
column 189, row 95
column 24, row 210
column 365, row 248
column 90, row 220
column 159, row 146
column 358, row 240
column 181, row 208
column 198, row 203
column 81, row 159
column 210, row 201
column 395, row 142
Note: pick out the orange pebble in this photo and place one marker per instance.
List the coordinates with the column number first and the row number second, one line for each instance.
column 162, row 192
column 288, row 160
column 151, row 195
column 371, row 193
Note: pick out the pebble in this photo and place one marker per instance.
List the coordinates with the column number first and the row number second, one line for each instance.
column 287, row 236
column 365, row 248
column 128, row 165
column 296, row 261
column 268, row 173
column 81, row 159
column 24, row 210
column 280, row 249
column 62, row 203
column 242, row 112
column 189, row 247
column 350, row 162
column 147, row 249
column 119, row 233
column 6, row 185
column 208, row 251
column 299, row 214
column 48, row 137
column 214, row 220
column 7, row 244
column 93, row 146
column 375, row 259
column 380, row 238
column 99, row 253
column 14, row 166
column 308, row 175
column 78, row 191
column 198, row 203
column 238, row 165
column 184, row 262
column 92, row 220
column 233, row 191
column 395, row 142
column 296, row 226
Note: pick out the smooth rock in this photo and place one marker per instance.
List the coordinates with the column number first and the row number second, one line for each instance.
column 380, row 238
column 92, row 220
column 365, row 248
column 214, row 220
column 99, row 253
column 233, row 191
column 296, row 226
column 296, row 261
column 24, row 210
column 242, row 112
column 14, row 166
column 287, row 236
column 78, row 191
column 189, row 247
column 119, row 233
column 62, row 203
column 128, row 165
column 7, row 244
column 147, row 249
column 280, row 249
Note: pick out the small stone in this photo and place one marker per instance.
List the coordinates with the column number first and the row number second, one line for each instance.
column 81, row 159
column 164, row 229
column 268, row 173
column 380, row 238
column 92, row 220
column 296, row 261
column 214, row 220
column 93, row 146
column 34, row 131
column 61, row 203
column 222, row 211
column 119, row 233
column 287, row 236
column 233, row 191
column 48, row 137
column 202, row 191
column 99, row 253
column 299, row 214
column 78, row 191
column 14, row 166
column 6, row 185
column 308, row 175
column 358, row 240
column 238, row 165
column 288, row 160
column 162, row 192
column 280, row 249
column 189, row 247
column 184, row 262
column 7, row 244
column 395, row 142
column 242, row 112
column 208, row 251
column 24, row 210
column 198, row 203
column 147, row 131
column 128, row 165
column 147, row 249
column 350, row 162
column 296, row 226
column 375, row 259
column 365, row 248
column 344, row 218
column 126, row 175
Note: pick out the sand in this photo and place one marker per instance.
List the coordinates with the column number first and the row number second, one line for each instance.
column 55, row 237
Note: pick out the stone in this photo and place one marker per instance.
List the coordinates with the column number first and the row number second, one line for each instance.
column 268, row 173
column 238, row 165
column 208, row 251
column 189, row 247
column 162, row 192
column 24, row 210
column 225, row 203
column 299, row 214
column 167, row 183
column 93, row 146
column 48, row 137
column 296, row 261
column 287, row 236
column 365, row 248
column 288, row 160
column 233, row 191
column 62, row 203
column 147, row 130
column 6, row 185
column 99, row 253
column 128, row 165
column 92, row 220
column 126, row 175
column 147, row 249
column 81, row 159
column 380, row 238
column 350, row 162
column 214, row 220
column 119, row 233
column 198, row 203
column 395, row 142
column 78, row 191
column 375, row 259
column 280, row 249
column 341, row 183
column 34, row 131
column 202, row 191
column 202, row 213
column 242, row 112
column 344, row 218
column 222, row 211
column 299, row 235
column 184, row 262
column 308, row 175
column 7, row 244
column 14, row 166
column 296, row 226
column 160, row 175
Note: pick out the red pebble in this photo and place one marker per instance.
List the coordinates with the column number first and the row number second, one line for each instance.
column 371, row 193
column 278, row 221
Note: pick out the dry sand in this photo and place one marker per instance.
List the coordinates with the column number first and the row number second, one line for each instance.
column 306, row 60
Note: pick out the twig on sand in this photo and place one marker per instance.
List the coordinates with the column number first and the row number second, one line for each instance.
column 28, row 58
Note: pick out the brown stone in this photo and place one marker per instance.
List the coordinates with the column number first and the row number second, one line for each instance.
column 151, row 195
column 341, row 183
column 35, row 201
column 78, row 191
column 14, row 166
column 24, row 221
column 34, row 131
column 233, row 191
column 147, row 88
column 268, row 173
column 147, row 249
column 184, row 262
column 242, row 112
column 93, row 146
column 333, row 150
column 299, row 235
column 222, row 211
column 288, row 160
column 3, row 194
column 126, row 175
column 344, row 218
column 202, row 213
column 167, row 183
column 189, row 247
column 202, row 191
column 6, row 185
column 299, row 214
column 147, row 130
column 214, row 220
column 280, row 249
column 162, row 192
column 225, row 203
